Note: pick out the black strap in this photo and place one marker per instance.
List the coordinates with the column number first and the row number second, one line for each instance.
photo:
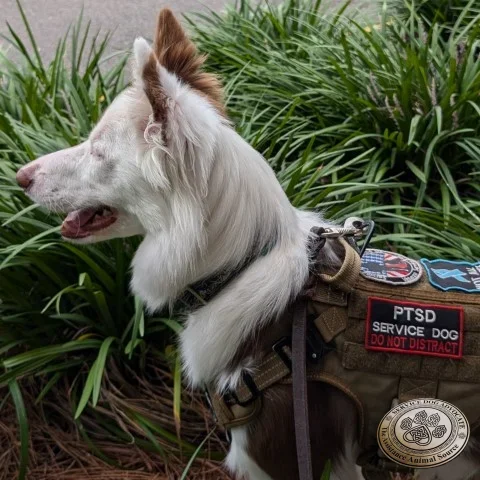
column 300, row 394
column 204, row 290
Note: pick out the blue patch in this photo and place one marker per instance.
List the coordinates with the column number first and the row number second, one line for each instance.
column 447, row 275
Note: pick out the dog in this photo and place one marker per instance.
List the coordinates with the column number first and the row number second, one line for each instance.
column 164, row 162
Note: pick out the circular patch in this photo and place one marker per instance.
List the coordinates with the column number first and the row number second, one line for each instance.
column 388, row 267
column 423, row 433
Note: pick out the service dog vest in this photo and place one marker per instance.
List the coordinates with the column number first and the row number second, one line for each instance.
column 391, row 333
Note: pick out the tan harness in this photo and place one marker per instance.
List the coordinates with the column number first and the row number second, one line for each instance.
column 374, row 380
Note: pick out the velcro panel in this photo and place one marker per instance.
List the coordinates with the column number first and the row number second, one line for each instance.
column 399, row 364
column 355, row 332
column 410, row 388
column 465, row 370
column 422, row 292
column 325, row 294
column 356, row 357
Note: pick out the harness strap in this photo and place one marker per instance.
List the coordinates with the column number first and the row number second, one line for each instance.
column 271, row 370
column 240, row 406
column 300, row 393
column 377, row 468
column 345, row 279
column 230, row 416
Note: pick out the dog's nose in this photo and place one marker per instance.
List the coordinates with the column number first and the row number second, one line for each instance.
column 25, row 175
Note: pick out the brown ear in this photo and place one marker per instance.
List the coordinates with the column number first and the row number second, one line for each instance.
column 146, row 73
column 154, row 91
column 179, row 55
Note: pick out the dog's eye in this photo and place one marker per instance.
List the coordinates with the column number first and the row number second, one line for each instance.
column 98, row 154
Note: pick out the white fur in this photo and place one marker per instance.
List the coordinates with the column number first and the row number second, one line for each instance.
column 141, row 53
column 238, row 461
column 204, row 200
column 345, row 468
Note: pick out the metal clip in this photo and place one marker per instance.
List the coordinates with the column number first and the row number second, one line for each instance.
column 353, row 227
column 336, row 232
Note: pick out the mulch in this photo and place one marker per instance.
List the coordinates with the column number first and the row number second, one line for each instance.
column 64, row 449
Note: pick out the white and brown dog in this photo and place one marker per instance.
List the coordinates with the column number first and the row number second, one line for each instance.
column 164, row 162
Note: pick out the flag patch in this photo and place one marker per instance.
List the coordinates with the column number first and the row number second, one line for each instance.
column 457, row 276
column 388, row 267
column 414, row 328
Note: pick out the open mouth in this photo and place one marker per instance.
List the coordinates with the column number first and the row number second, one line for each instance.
column 87, row 221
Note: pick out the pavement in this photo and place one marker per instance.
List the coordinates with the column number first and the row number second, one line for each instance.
column 128, row 19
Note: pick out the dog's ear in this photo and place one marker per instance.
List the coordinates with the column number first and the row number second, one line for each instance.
column 147, row 74
column 176, row 52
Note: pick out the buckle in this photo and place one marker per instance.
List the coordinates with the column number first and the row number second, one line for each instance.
column 208, row 399
column 278, row 348
column 252, row 387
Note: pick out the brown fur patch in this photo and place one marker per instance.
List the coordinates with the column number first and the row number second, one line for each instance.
column 155, row 93
column 271, row 443
column 333, row 416
column 178, row 55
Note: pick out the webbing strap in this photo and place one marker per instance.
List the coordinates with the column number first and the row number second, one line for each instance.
column 271, row 370
column 230, row 416
column 240, row 406
column 300, row 392
column 346, row 278
column 331, row 322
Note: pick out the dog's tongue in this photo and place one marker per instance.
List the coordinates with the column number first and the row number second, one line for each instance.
column 78, row 218
column 74, row 221
column 82, row 223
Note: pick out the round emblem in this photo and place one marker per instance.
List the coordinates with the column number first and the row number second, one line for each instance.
column 423, row 433
column 388, row 267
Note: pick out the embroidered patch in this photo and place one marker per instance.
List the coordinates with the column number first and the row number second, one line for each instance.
column 446, row 275
column 388, row 267
column 414, row 328
column 423, row 433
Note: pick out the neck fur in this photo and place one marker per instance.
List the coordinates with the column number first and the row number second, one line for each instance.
column 243, row 210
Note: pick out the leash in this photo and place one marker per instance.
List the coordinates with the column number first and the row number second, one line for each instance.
column 354, row 228
column 300, row 392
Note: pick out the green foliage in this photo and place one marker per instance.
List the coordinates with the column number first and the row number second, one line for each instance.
column 23, row 424
column 52, row 291
column 445, row 12
column 380, row 121
column 58, row 300
column 65, row 311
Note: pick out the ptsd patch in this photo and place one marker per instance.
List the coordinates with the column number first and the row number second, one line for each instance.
column 388, row 267
column 447, row 275
column 414, row 328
